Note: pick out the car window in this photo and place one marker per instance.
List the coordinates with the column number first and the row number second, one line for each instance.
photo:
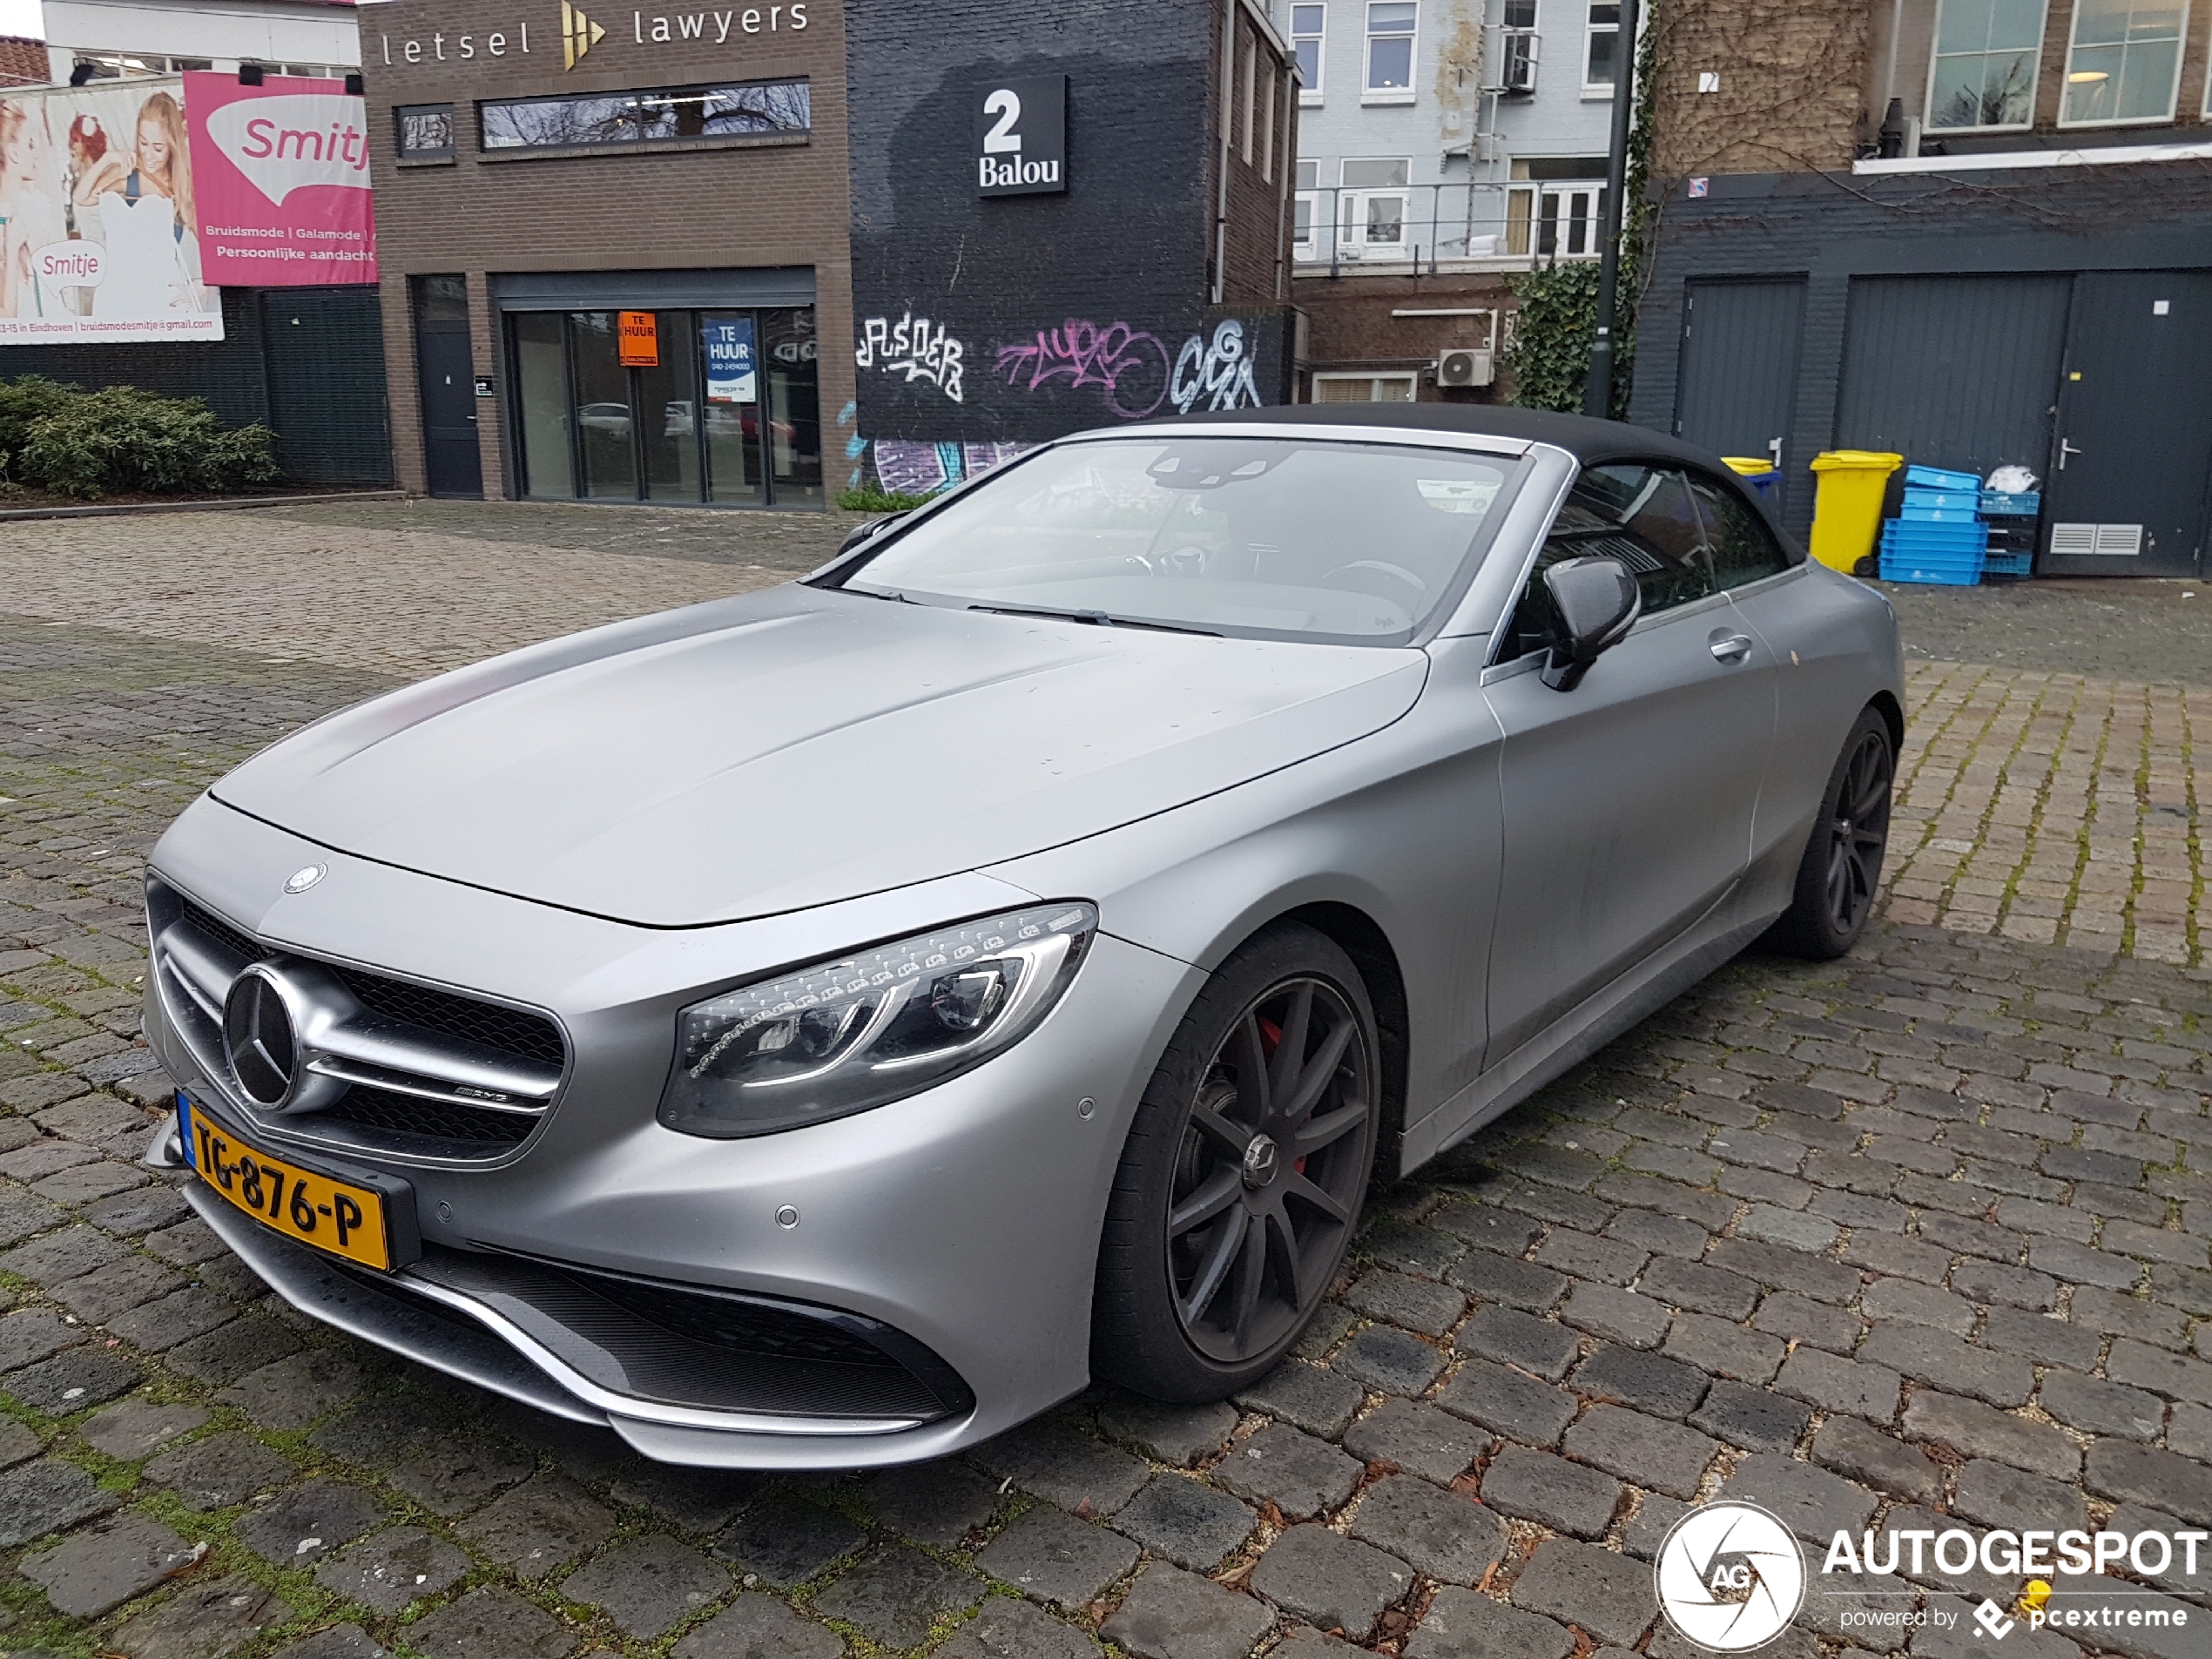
column 1743, row 548
column 1266, row 536
column 1641, row 516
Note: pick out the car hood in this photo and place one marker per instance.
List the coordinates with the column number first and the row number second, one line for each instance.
column 800, row 746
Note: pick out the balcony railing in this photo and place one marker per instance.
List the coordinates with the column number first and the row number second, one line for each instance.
column 1483, row 227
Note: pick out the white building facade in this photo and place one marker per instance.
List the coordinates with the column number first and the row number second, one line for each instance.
column 127, row 37
column 1462, row 134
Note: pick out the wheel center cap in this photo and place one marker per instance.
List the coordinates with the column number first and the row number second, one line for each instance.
column 1262, row 1159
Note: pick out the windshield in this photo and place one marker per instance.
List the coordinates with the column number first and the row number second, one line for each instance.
column 1273, row 537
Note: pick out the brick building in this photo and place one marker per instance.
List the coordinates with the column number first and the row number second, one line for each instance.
column 747, row 257
column 1976, row 235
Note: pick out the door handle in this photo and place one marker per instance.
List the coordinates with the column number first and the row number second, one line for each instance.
column 2065, row 449
column 1730, row 648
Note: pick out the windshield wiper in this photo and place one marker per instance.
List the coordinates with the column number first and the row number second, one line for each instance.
column 1095, row 619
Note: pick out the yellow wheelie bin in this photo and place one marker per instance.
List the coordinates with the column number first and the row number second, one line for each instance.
column 1847, row 510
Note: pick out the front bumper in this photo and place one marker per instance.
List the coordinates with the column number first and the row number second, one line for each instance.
column 964, row 1220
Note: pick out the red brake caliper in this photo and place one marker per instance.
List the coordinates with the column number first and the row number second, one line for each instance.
column 1269, row 1036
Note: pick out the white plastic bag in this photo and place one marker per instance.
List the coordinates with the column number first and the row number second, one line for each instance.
column 2011, row 481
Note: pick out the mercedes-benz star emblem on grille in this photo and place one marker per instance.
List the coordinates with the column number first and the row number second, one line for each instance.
column 259, row 1039
column 302, row 880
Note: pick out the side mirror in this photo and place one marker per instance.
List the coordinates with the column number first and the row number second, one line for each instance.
column 868, row 532
column 1598, row 602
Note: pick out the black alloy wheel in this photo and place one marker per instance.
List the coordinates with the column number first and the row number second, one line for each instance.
column 1859, row 832
column 1242, row 1174
column 1269, row 1175
column 1842, row 867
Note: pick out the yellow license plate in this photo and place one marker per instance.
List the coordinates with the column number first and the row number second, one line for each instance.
column 335, row 1215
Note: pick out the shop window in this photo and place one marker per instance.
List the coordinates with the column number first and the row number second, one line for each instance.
column 1309, row 31
column 678, row 113
column 1601, row 48
column 425, row 131
column 1987, row 53
column 2124, row 62
column 1363, row 388
column 1372, row 208
column 1389, row 51
column 726, row 411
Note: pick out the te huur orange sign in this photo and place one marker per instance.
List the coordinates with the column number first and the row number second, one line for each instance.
column 637, row 334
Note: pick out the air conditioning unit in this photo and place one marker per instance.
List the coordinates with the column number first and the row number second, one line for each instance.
column 1518, row 51
column 1465, row 367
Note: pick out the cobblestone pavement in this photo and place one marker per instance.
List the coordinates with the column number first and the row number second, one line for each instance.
column 1923, row 1233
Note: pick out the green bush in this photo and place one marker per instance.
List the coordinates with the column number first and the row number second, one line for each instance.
column 24, row 402
column 90, row 443
column 873, row 498
column 1550, row 354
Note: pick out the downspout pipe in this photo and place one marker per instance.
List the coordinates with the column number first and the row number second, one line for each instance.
column 1226, row 110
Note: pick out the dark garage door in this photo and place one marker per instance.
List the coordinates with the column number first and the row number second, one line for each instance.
column 1739, row 366
column 1953, row 371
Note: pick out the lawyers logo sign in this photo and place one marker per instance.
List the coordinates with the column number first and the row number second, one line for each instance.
column 1022, row 136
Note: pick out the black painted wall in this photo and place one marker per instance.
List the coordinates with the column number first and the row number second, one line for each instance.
column 308, row 361
column 1067, row 310
column 1830, row 229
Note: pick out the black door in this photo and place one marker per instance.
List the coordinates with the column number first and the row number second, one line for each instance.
column 2125, row 491
column 446, row 369
column 1739, row 367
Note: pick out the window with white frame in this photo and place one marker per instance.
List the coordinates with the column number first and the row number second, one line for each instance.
column 1601, row 47
column 1389, row 51
column 1363, row 388
column 1518, row 47
column 1555, row 206
column 1373, row 207
column 1982, row 74
column 1309, row 29
column 1306, row 212
column 2124, row 62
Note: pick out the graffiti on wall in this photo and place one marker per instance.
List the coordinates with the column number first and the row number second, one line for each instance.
column 1128, row 366
column 911, row 347
column 1221, row 373
column 911, row 467
column 1135, row 375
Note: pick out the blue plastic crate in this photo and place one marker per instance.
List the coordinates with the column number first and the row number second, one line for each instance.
column 1912, row 515
column 2008, row 567
column 1996, row 504
column 1972, row 536
column 1915, row 496
column 1937, row 478
column 1929, row 572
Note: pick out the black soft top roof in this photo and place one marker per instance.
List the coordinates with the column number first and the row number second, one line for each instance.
column 1587, row 440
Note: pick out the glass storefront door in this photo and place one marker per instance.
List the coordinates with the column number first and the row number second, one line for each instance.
column 730, row 413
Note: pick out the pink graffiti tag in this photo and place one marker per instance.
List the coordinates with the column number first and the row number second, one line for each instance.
column 1089, row 354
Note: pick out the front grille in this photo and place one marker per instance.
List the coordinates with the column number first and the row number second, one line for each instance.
column 223, row 933
column 414, row 1055
column 510, row 1030
column 437, row 1120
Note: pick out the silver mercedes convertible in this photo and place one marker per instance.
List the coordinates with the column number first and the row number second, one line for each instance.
column 825, row 1028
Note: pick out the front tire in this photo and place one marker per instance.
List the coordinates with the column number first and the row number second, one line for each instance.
column 1244, row 1173
column 1843, row 862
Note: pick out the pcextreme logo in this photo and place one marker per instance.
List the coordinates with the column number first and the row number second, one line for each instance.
column 578, row 35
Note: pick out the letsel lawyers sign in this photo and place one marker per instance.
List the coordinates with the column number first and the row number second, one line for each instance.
column 283, row 177
column 1022, row 136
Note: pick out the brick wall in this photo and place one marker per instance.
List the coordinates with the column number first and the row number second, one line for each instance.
column 1066, row 310
column 705, row 209
column 1350, row 326
column 1791, row 86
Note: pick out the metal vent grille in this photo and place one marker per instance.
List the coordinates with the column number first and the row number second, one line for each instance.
column 510, row 1030
column 2096, row 541
column 223, row 933
column 2120, row 540
column 387, row 1109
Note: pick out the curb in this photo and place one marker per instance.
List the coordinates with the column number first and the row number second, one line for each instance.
column 119, row 510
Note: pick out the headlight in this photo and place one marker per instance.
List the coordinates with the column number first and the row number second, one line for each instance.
column 870, row 1027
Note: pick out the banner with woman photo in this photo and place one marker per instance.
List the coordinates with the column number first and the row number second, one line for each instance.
column 98, row 225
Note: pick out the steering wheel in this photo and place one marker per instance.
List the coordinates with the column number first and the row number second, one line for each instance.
column 1383, row 580
column 1186, row 561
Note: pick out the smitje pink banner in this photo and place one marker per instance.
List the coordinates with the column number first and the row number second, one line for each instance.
column 282, row 172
